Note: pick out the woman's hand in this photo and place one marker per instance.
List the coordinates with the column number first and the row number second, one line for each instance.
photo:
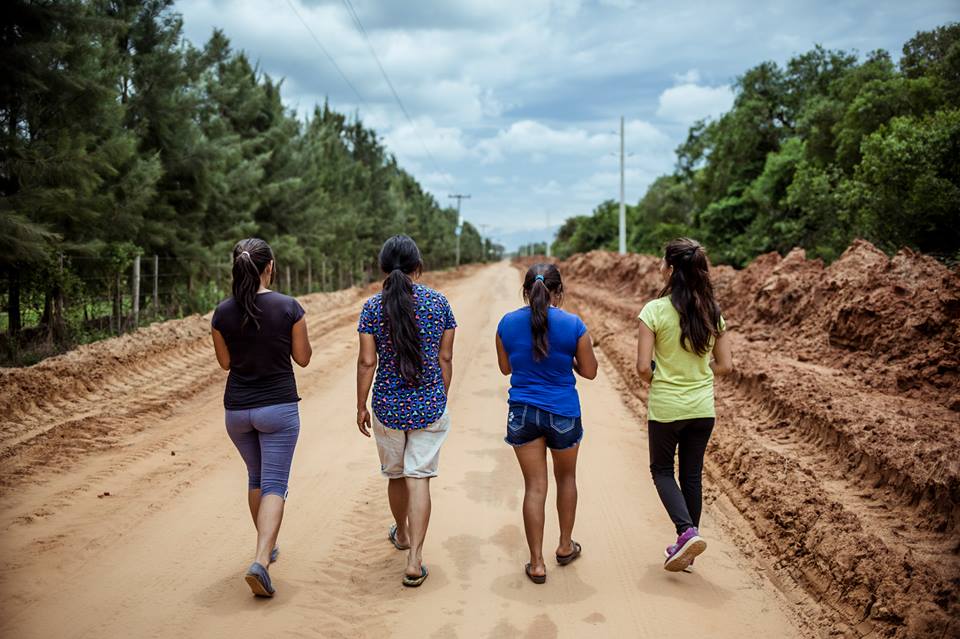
column 363, row 421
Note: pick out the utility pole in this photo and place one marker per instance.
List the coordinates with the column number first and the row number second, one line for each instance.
column 623, row 209
column 484, row 241
column 459, row 197
column 548, row 234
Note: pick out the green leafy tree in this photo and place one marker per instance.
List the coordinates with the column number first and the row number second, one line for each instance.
column 813, row 154
column 908, row 185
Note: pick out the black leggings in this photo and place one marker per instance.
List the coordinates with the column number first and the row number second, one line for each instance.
column 683, row 502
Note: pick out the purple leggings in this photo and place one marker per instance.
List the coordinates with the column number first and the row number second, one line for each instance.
column 266, row 438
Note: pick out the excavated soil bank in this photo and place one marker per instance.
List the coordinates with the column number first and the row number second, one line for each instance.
column 838, row 438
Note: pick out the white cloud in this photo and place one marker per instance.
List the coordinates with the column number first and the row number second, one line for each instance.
column 535, row 88
column 539, row 141
column 443, row 143
column 689, row 102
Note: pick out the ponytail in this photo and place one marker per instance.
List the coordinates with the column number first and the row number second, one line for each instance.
column 541, row 284
column 250, row 258
column 400, row 260
column 691, row 293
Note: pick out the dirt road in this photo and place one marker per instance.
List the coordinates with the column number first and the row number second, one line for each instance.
column 162, row 554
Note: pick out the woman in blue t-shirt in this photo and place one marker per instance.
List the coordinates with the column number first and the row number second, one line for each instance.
column 406, row 336
column 256, row 332
column 540, row 347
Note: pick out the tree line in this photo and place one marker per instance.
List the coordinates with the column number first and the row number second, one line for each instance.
column 813, row 154
column 122, row 138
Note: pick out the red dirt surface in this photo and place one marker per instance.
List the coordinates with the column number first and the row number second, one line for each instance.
column 838, row 438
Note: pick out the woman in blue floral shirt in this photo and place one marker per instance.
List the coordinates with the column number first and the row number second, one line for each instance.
column 406, row 336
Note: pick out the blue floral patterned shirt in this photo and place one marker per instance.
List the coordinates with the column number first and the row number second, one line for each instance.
column 396, row 403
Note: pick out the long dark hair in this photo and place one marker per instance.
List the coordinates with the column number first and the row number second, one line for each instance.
column 691, row 293
column 400, row 260
column 541, row 281
column 250, row 257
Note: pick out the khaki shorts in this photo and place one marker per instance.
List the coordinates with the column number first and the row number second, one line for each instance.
column 410, row 453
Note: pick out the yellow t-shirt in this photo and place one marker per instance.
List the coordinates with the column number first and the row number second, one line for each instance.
column 682, row 385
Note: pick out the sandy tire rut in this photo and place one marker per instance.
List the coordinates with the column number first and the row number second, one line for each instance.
column 123, row 511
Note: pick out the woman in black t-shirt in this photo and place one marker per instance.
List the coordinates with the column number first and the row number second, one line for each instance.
column 255, row 334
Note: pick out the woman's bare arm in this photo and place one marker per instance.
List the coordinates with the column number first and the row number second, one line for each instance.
column 585, row 360
column 645, row 343
column 366, row 366
column 503, row 360
column 220, row 348
column 722, row 363
column 300, row 348
column 446, row 357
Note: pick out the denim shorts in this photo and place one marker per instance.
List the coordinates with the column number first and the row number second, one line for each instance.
column 526, row 423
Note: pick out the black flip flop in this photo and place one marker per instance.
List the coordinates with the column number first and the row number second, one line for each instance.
column 393, row 538
column 563, row 560
column 537, row 579
column 415, row 582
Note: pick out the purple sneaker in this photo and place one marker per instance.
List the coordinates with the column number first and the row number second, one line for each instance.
column 681, row 554
column 688, row 569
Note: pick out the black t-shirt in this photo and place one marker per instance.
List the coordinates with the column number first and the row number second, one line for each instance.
column 260, row 370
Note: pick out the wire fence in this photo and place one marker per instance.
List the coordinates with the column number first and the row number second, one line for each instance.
column 94, row 297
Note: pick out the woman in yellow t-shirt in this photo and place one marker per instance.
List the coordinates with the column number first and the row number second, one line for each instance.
column 684, row 327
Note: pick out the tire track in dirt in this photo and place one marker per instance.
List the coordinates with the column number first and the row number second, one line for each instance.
column 163, row 555
column 92, row 399
column 850, row 490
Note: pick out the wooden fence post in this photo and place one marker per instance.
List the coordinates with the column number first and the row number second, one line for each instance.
column 118, row 304
column 156, row 285
column 286, row 269
column 136, row 291
column 309, row 276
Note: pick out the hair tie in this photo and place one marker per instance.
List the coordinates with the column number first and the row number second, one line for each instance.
column 539, row 277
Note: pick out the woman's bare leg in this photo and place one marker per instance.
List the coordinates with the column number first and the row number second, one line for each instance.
column 418, row 518
column 533, row 465
column 399, row 505
column 253, row 501
column 269, row 516
column 565, row 472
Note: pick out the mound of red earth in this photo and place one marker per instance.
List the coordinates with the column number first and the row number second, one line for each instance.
column 838, row 438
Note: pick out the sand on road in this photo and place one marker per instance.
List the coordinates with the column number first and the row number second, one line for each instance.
column 163, row 554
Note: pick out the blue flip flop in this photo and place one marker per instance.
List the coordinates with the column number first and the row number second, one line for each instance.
column 393, row 538
column 414, row 582
column 274, row 554
column 258, row 579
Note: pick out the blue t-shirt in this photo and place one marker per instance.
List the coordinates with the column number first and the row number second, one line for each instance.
column 396, row 403
column 548, row 384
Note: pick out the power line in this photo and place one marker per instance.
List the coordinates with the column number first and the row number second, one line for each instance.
column 356, row 20
column 326, row 53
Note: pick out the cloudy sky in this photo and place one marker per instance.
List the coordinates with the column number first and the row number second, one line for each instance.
column 517, row 102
